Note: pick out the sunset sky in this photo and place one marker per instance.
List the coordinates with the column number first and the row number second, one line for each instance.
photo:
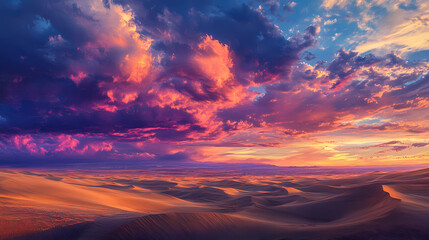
column 287, row 83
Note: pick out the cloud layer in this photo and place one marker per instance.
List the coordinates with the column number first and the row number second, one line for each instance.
column 199, row 80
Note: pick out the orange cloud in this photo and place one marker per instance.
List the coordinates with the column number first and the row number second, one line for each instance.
column 129, row 97
column 214, row 60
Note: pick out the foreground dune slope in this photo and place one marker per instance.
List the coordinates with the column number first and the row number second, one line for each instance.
column 38, row 205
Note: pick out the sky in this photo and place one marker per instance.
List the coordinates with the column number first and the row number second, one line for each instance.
column 287, row 83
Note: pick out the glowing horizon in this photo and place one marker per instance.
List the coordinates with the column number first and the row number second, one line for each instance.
column 326, row 83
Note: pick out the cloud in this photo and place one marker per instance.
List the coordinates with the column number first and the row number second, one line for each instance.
column 350, row 87
column 422, row 144
column 385, row 26
column 393, row 146
column 411, row 35
column 98, row 78
column 112, row 73
column 330, row 21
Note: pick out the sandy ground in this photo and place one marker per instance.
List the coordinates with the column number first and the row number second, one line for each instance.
column 54, row 205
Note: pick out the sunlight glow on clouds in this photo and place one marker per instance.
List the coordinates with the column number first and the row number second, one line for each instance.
column 159, row 81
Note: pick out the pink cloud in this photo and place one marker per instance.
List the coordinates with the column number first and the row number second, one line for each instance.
column 77, row 78
column 66, row 143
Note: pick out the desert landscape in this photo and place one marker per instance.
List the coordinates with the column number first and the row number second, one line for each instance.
column 131, row 205
column 214, row 120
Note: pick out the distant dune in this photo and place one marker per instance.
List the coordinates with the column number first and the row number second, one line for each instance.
column 111, row 206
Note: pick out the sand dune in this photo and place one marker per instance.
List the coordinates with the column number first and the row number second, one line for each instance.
column 149, row 184
column 48, row 205
column 42, row 190
column 199, row 194
column 183, row 226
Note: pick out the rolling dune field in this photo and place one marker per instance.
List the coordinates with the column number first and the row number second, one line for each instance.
column 39, row 204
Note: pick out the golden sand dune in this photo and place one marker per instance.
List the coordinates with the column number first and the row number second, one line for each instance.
column 41, row 190
column 37, row 205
